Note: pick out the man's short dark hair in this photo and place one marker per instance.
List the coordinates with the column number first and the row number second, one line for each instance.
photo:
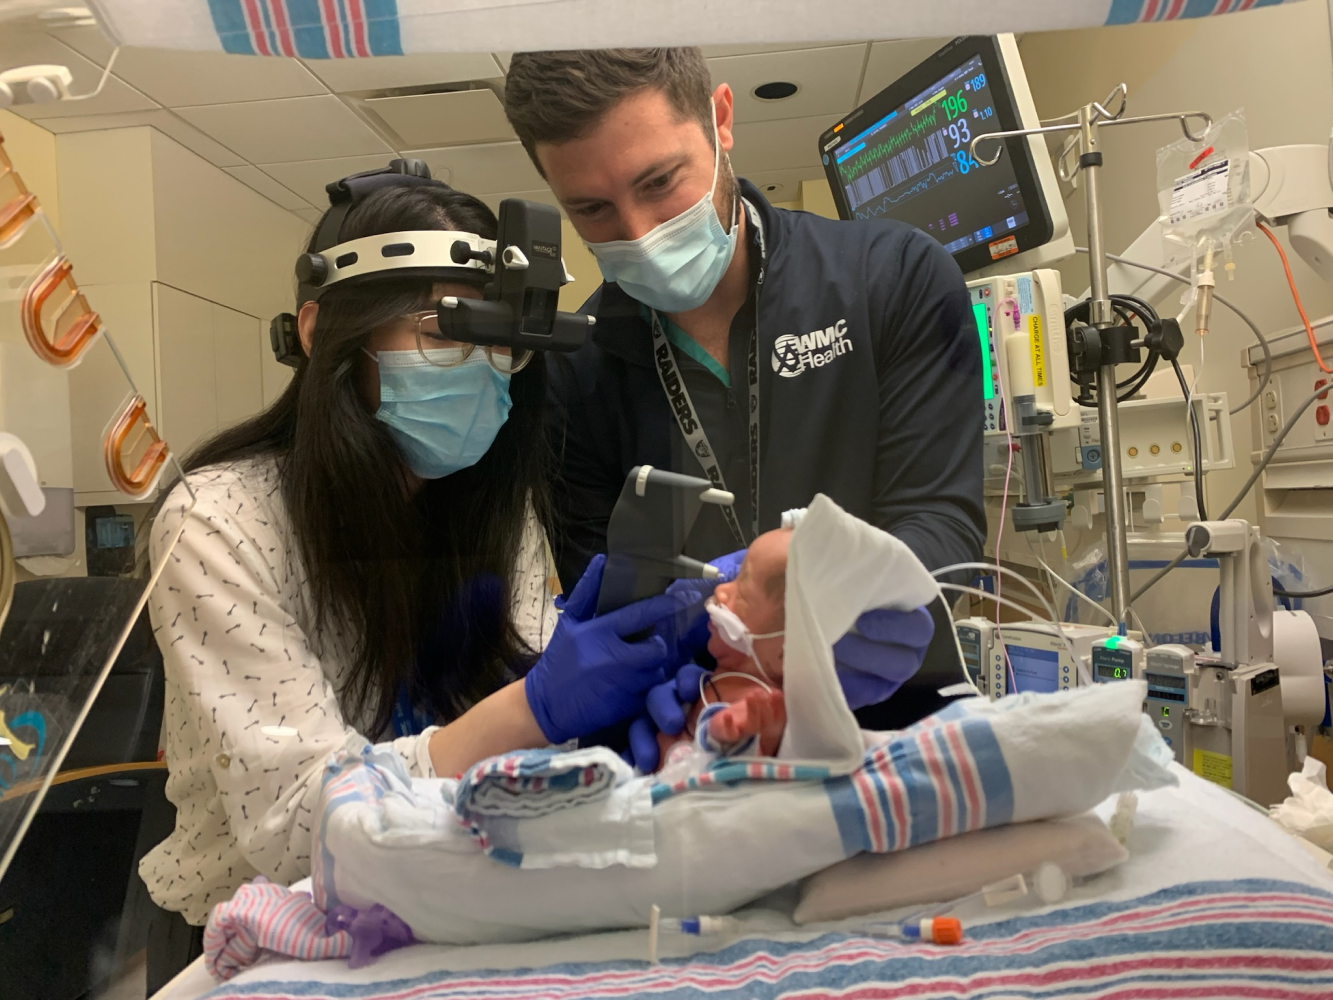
column 558, row 96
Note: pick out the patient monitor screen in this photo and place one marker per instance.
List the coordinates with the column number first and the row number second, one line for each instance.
column 1034, row 669
column 905, row 155
column 913, row 164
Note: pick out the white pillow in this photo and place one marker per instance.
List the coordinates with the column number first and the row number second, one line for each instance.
column 956, row 866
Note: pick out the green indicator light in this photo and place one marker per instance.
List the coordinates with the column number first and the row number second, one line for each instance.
column 1113, row 642
column 983, row 330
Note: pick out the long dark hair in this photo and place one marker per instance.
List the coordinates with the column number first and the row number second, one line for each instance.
column 407, row 575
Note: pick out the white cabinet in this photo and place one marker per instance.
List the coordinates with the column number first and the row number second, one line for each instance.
column 238, row 365
column 183, row 329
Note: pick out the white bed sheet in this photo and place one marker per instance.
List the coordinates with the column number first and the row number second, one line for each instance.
column 1197, row 832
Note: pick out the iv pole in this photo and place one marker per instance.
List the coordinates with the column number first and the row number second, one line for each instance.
column 1103, row 343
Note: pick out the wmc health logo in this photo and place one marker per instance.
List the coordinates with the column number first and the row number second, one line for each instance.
column 794, row 353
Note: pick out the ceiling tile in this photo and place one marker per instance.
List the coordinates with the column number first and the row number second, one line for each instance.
column 784, row 185
column 162, row 120
column 308, row 177
column 88, row 41
column 436, row 119
column 483, row 169
column 890, row 60
column 827, row 77
column 420, row 70
column 298, row 128
column 718, row 51
column 779, row 145
column 180, row 79
column 22, row 49
column 255, row 178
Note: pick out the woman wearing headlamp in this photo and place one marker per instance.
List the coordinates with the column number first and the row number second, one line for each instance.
column 366, row 562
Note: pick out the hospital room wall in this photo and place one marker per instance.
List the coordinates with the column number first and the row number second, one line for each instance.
column 1272, row 63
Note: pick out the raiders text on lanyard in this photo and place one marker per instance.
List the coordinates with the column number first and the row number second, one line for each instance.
column 675, row 389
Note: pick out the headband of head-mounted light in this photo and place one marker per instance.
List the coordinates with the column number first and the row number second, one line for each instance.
column 520, row 274
column 435, row 254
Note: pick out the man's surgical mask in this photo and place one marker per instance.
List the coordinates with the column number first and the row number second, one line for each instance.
column 735, row 633
column 675, row 266
column 443, row 418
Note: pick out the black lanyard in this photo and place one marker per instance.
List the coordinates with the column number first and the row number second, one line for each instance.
column 687, row 418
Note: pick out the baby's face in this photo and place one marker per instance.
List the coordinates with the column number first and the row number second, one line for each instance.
column 757, row 597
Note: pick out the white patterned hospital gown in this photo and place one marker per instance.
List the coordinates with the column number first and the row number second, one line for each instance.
column 243, row 670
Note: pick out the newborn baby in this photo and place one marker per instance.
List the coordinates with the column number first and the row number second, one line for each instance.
column 747, row 620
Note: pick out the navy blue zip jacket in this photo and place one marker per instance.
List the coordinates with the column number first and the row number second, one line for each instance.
column 869, row 384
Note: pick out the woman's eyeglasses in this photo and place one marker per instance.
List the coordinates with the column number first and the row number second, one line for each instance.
column 444, row 352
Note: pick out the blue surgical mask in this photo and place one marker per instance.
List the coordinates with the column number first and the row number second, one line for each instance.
column 675, row 266
column 443, row 419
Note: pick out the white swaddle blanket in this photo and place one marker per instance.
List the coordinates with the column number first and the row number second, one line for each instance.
column 597, row 847
column 837, row 568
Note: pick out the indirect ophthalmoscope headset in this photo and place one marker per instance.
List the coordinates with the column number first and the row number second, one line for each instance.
column 519, row 273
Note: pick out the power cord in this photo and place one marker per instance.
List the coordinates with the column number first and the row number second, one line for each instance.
column 1127, row 309
column 1267, row 374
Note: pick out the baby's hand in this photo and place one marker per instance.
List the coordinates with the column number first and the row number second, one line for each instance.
column 759, row 713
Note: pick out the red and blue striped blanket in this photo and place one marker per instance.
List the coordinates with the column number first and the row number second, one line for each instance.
column 1254, row 938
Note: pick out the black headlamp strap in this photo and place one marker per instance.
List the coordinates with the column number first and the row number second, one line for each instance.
column 349, row 191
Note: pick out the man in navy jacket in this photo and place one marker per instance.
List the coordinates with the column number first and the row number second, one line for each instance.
column 778, row 352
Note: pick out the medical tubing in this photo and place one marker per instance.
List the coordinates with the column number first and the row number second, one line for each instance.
column 1272, row 450
column 1298, row 594
column 1143, row 629
column 1198, row 443
column 1076, row 592
column 1050, row 609
column 1008, row 475
column 1254, row 477
column 1084, row 675
column 1180, row 558
column 1267, row 375
column 1296, row 298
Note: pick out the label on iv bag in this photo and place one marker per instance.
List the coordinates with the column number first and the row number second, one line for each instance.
column 1202, row 192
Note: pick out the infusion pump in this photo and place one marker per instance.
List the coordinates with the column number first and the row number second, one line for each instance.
column 1223, row 722
column 1020, row 322
column 1031, row 656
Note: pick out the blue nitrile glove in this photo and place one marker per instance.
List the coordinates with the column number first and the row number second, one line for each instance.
column 667, row 704
column 883, row 653
column 690, row 633
column 589, row 677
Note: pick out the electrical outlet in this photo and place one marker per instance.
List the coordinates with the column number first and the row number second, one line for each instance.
column 1323, row 423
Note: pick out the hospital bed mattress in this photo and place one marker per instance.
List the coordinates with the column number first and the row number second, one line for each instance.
column 1216, row 900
